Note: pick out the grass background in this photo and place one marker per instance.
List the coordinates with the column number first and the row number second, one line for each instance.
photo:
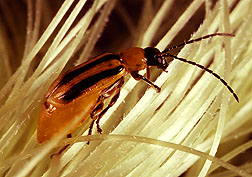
column 41, row 39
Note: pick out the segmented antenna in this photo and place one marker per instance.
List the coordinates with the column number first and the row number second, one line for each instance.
column 164, row 53
column 196, row 40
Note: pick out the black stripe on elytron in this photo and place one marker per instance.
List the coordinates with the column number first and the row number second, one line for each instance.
column 78, row 88
column 71, row 75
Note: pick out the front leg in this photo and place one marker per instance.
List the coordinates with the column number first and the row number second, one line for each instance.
column 137, row 77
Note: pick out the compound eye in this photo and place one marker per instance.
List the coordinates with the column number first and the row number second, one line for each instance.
column 162, row 64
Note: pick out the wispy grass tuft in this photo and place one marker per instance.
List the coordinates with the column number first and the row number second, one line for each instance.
column 192, row 127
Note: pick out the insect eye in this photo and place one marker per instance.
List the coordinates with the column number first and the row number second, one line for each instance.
column 162, row 63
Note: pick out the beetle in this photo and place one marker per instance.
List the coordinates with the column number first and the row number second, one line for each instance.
column 98, row 79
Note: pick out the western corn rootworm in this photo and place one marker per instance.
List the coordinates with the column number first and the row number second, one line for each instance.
column 99, row 78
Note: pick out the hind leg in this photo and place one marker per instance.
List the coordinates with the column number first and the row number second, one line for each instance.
column 64, row 148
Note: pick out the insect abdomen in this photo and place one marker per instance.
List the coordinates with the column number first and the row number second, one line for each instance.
column 76, row 91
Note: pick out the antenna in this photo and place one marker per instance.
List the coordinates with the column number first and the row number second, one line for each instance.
column 164, row 53
column 196, row 40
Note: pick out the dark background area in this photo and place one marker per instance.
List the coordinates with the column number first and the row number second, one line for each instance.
column 116, row 34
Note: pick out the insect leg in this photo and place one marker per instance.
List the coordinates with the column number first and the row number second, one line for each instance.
column 112, row 102
column 64, row 148
column 137, row 76
column 148, row 72
column 116, row 87
column 90, row 129
column 98, row 112
column 93, row 115
column 98, row 109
